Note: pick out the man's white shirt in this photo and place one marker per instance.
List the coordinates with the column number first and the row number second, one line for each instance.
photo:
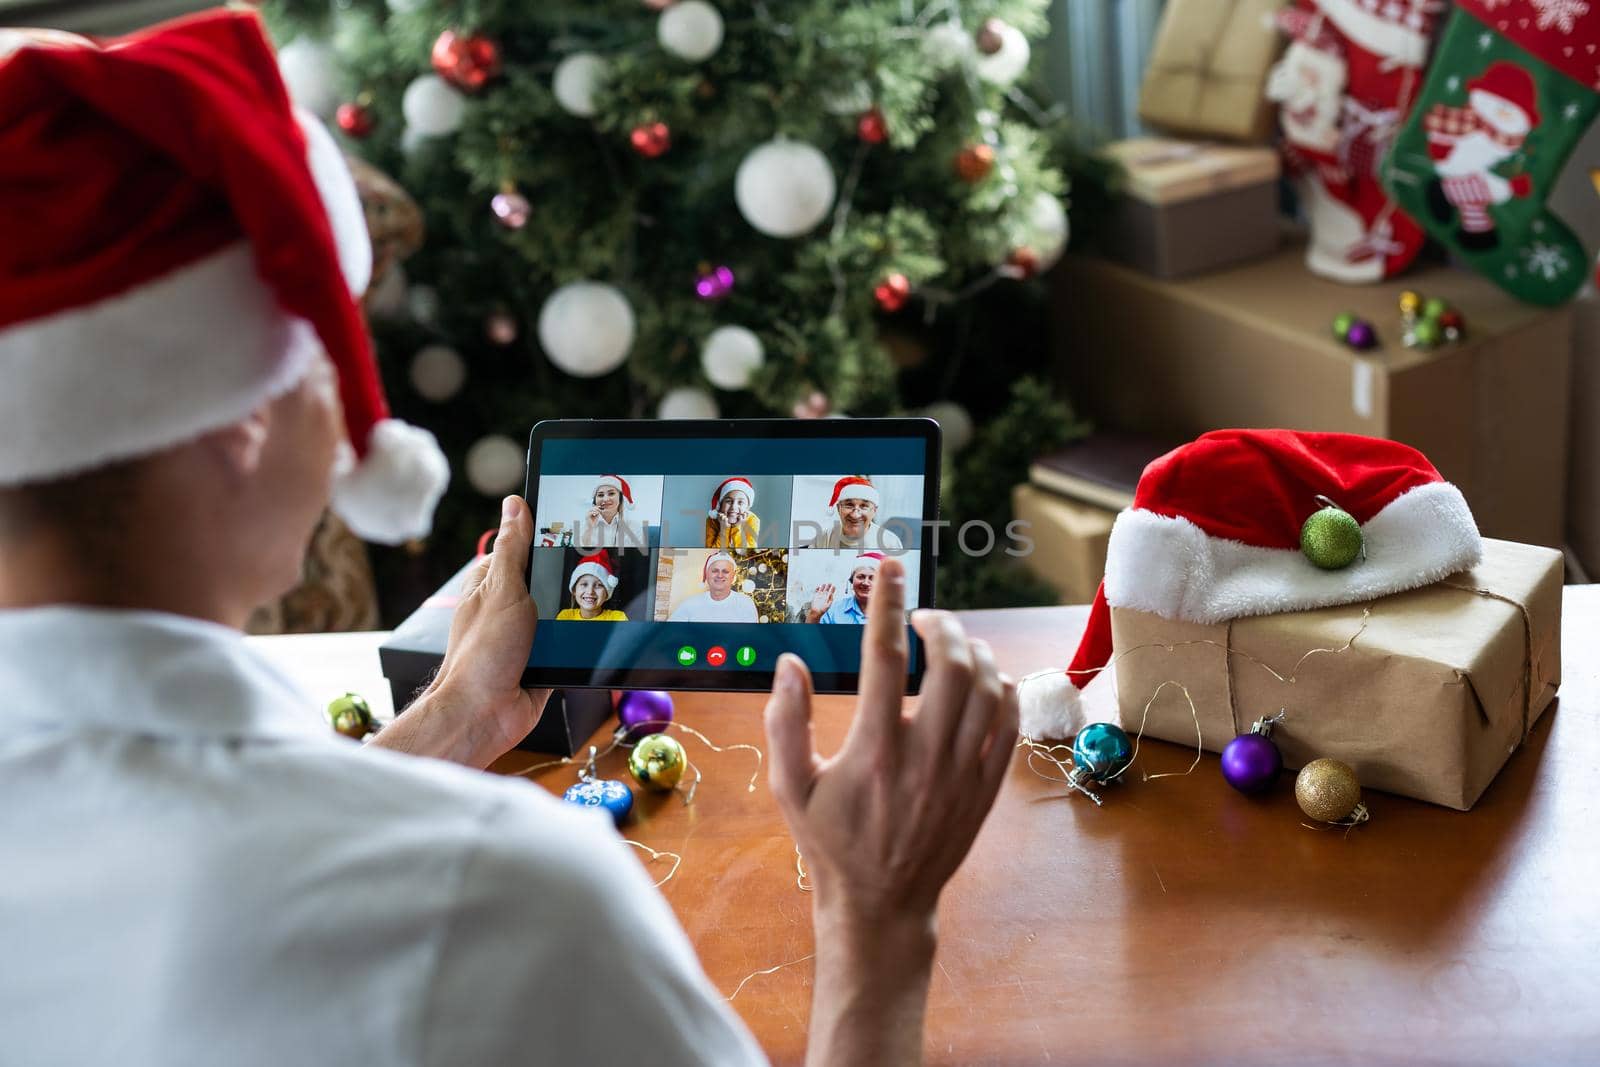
column 196, row 871
column 735, row 607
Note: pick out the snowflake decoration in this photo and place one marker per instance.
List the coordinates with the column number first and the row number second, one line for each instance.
column 1453, row 82
column 1561, row 14
column 1484, row 41
column 1570, row 112
column 1547, row 261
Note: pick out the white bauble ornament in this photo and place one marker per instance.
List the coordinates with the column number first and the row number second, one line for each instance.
column 1010, row 62
column 687, row 402
column 748, row 585
column 423, row 303
column 437, row 373
column 405, row 7
column 1047, row 230
column 847, row 99
column 955, row 424
column 946, row 46
column 388, row 300
column 576, row 79
column 311, row 72
column 730, row 356
column 586, row 328
column 690, row 29
column 495, row 465
column 432, row 107
column 784, row 188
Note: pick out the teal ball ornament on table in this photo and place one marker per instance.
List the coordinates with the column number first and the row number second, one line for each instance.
column 1331, row 538
column 1102, row 751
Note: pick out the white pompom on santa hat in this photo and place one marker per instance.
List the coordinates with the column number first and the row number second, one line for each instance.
column 596, row 566
column 1214, row 534
column 179, row 245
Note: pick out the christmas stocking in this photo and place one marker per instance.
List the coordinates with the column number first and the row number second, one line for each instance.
column 1346, row 83
column 1511, row 90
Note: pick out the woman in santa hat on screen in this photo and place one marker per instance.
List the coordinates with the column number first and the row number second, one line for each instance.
column 854, row 605
column 606, row 525
column 854, row 503
column 592, row 583
column 731, row 522
column 721, row 602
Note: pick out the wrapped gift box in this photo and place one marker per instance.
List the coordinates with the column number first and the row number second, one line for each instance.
column 412, row 654
column 1425, row 693
column 1253, row 347
column 1186, row 207
column 1208, row 67
column 1069, row 541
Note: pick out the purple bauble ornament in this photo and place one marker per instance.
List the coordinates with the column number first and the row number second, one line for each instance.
column 1362, row 335
column 1251, row 763
column 714, row 284
column 643, row 712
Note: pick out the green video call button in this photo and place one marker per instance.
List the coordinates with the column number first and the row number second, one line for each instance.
column 687, row 656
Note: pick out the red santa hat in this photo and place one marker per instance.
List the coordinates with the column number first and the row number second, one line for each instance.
column 179, row 245
column 741, row 484
column 615, row 481
column 1214, row 534
column 854, row 487
column 705, row 571
column 1509, row 82
column 867, row 560
column 598, row 566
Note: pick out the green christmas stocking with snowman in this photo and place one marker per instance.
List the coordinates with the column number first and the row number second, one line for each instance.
column 1512, row 86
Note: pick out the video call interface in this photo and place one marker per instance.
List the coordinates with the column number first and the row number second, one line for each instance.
column 714, row 555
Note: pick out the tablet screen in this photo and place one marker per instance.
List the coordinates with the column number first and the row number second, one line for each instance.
column 690, row 555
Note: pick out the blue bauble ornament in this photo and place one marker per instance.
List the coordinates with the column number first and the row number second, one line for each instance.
column 643, row 712
column 1102, row 751
column 607, row 793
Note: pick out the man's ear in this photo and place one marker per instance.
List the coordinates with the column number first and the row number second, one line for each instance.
column 241, row 445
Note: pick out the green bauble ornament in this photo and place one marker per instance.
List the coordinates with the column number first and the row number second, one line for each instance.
column 1428, row 333
column 1433, row 307
column 1331, row 538
column 1341, row 325
column 658, row 762
column 351, row 715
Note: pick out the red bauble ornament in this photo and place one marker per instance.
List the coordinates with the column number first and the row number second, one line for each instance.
column 893, row 292
column 871, row 128
column 500, row 327
column 1024, row 261
column 974, row 163
column 990, row 37
column 467, row 61
column 356, row 120
column 651, row 139
column 511, row 209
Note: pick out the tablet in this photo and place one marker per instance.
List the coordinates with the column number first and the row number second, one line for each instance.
column 690, row 554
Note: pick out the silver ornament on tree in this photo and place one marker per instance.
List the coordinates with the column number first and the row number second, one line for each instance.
column 955, row 425
column 1008, row 61
column 432, row 107
column 587, row 328
column 730, row 356
column 946, row 46
column 438, row 373
column 687, row 402
column 577, row 79
column 784, row 188
column 310, row 71
column 690, row 30
column 424, row 304
column 1045, row 230
column 495, row 465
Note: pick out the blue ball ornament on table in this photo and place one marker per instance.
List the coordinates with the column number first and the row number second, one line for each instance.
column 607, row 793
column 1102, row 751
column 642, row 712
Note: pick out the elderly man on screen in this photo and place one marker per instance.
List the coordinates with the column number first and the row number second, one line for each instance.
column 721, row 602
column 855, row 503
column 188, row 382
column 853, row 606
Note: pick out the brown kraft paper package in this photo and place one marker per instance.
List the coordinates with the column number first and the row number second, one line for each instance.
column 1437, row 689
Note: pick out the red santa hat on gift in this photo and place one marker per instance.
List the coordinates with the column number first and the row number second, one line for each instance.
column 596, row 566
column 854, row 487
column 705, row 571
column 730, row 484
column 1504, row 97
column 615, row 481
column 1214, row 534
column 179, row 246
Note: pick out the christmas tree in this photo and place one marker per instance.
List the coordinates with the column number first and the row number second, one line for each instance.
column 666, row 207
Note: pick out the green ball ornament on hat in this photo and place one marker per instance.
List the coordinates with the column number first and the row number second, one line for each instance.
column 351, row 716
column 1331, row 538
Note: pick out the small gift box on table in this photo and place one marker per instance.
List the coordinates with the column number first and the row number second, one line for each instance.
column 1208, row 66
column 1187, row 207
column 1425, row 693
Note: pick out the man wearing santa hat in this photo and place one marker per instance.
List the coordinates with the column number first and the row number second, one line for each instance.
column 721, row 602
column 854, row 503
column 188, row 848
column 852, row 608
column 1467, row 143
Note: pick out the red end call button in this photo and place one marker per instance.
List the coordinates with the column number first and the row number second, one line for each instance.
column 716, row 655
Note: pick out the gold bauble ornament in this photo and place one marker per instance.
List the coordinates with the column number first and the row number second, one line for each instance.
column 1410, row 302
column 658, row 762
column 1328, row 791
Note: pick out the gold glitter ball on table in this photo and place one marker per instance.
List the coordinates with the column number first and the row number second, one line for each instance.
column 1410, row 302
column 658, row 762
column 1328, row 791
column 351, row 715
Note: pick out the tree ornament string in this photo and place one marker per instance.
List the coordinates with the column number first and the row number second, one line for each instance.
column 655, row 855
column 770, row 970
column 802, row 878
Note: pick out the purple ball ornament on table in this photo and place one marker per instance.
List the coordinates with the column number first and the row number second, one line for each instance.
column 642, row 712
column 1251, row 763
column 1362, row 336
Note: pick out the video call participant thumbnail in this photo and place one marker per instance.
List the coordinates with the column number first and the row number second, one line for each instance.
column 592, row 583
column 721, row 602
column 855, row 503
column 606, row 524
column 827, row 607
column 732, row 521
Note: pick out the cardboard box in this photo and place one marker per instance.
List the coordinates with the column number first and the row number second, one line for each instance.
column 1426, row 694
column 1069, row 541
column 1253, row 347
column 1186, row 207
column 1208, row 69
column 412, row 654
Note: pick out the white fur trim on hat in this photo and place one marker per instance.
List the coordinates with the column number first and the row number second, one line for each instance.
column 607, row 579
column 1053, row 709
column 1171, row 567
column 340, row 200
column 1376, row 34
column 390, row 496
column 860, row 492
column 199, row 348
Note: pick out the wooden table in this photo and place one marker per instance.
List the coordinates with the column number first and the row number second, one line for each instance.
column 1182, row 922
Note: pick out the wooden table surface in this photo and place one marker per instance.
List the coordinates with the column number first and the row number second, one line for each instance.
column 1184, row 923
